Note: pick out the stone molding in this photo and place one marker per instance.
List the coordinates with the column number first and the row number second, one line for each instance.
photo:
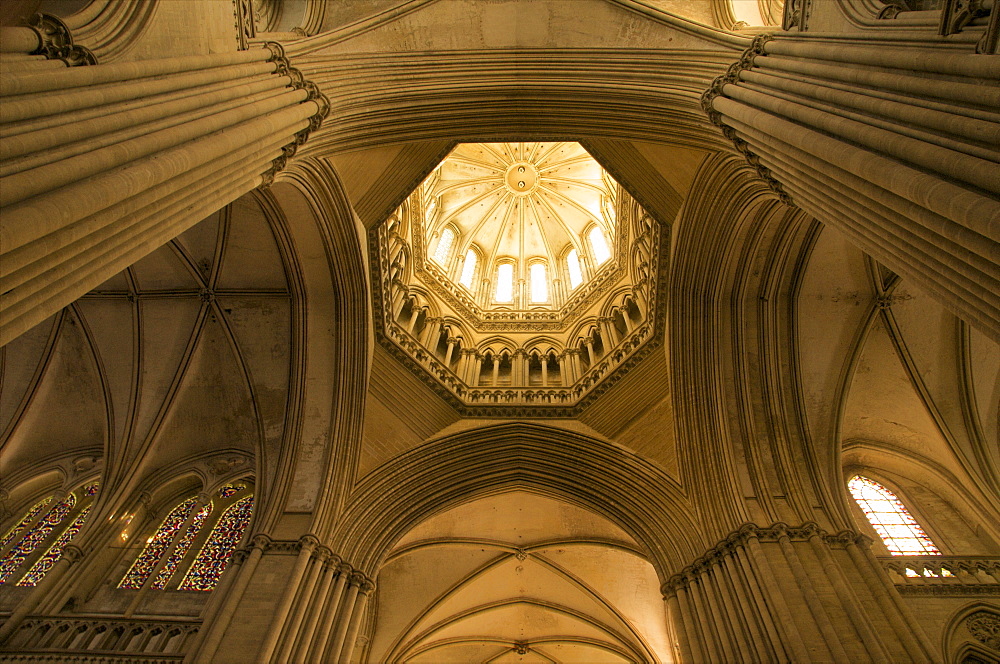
column 732, row 75
column 985, row 628
column 770, row 534
column 298, row 82
column 56, row 41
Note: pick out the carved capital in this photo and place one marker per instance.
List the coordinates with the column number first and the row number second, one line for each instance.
column 308, row 542
column 72, row 553
column 56, row 42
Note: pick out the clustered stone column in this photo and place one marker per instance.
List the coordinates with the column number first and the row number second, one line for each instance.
column 784, row 593
column 101, row 165
column 895, row 147
column 317, row 618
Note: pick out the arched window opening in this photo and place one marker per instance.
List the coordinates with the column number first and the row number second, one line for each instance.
column 168, row 550
column 469, row 269
column 747, row 11
column 599, row 245
column 505, row 282
column 902, row 535
column 24, row 544
column 539, row 282
column 573, row 266
column 443, row 251
column 214, row 556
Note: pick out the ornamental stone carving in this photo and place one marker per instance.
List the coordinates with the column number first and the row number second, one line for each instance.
column 985, row 627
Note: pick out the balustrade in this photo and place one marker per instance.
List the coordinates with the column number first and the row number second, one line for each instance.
column 944, row 574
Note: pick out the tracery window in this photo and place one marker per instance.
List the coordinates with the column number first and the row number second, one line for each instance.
column 573, row 266
column 599, row 245
column 538, row 276
column 24, row 555
column 902, row 535
column 505, row 282
column 190, row 527
column 469, row 269
column 442, row 253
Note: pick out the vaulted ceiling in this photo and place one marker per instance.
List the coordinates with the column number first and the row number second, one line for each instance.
column 518, row 577
column 181, row 359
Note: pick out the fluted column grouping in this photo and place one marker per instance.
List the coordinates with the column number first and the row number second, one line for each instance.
column 101, row 165
column 318, row 615
column 763, row 595
column 895, row 147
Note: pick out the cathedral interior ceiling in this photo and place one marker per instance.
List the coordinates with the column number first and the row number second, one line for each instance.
column 517, row 568
column 180, row 360
column 785, row 356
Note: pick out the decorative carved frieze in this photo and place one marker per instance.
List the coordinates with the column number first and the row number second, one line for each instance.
column 246, row 29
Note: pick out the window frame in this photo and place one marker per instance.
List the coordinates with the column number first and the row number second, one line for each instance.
column 83, row 495
column 219, row 507
column 908, row 505
column 500, row 262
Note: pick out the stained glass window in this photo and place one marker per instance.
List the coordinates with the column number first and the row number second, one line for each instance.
column 231, row 490
column 443, row 251
column 539, row 282
column 505, row 282
column 156, row 546
column 34, row 537
column 599, row 245
column 214, row 555
column 575, row 273
column 469, row 269
column 181, row 548
column 45, row 563
column 28, row 519
column 902, row 535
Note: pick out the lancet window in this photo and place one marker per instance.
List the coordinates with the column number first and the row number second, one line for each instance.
column 442, row 253
column 469, row 269
column 599, row 245
column 573, row 266
column 538, row 276
column 191, row 548
column 505, row 282
column 31, row 547
column 902, row 535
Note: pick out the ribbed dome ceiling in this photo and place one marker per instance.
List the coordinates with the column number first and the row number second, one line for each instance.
column 523, row 201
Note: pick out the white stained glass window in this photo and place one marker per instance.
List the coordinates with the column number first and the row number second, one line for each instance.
column 443, row 251
column 902, row 535
column 599, row 245
column 468, row 269
column 539, row 283
column 505, row 282
column 575, row 273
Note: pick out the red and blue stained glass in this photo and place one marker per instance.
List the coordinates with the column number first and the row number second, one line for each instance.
column 181, row 548
column 91, row 489
column 214, row 555
column 902, row 535
column 156, row 546
column 231, row 490
column 35, row 536
column 45, row 563
column 19, row 527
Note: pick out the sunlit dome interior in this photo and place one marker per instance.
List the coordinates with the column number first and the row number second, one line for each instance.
column 519, row 225
column 518, row 276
